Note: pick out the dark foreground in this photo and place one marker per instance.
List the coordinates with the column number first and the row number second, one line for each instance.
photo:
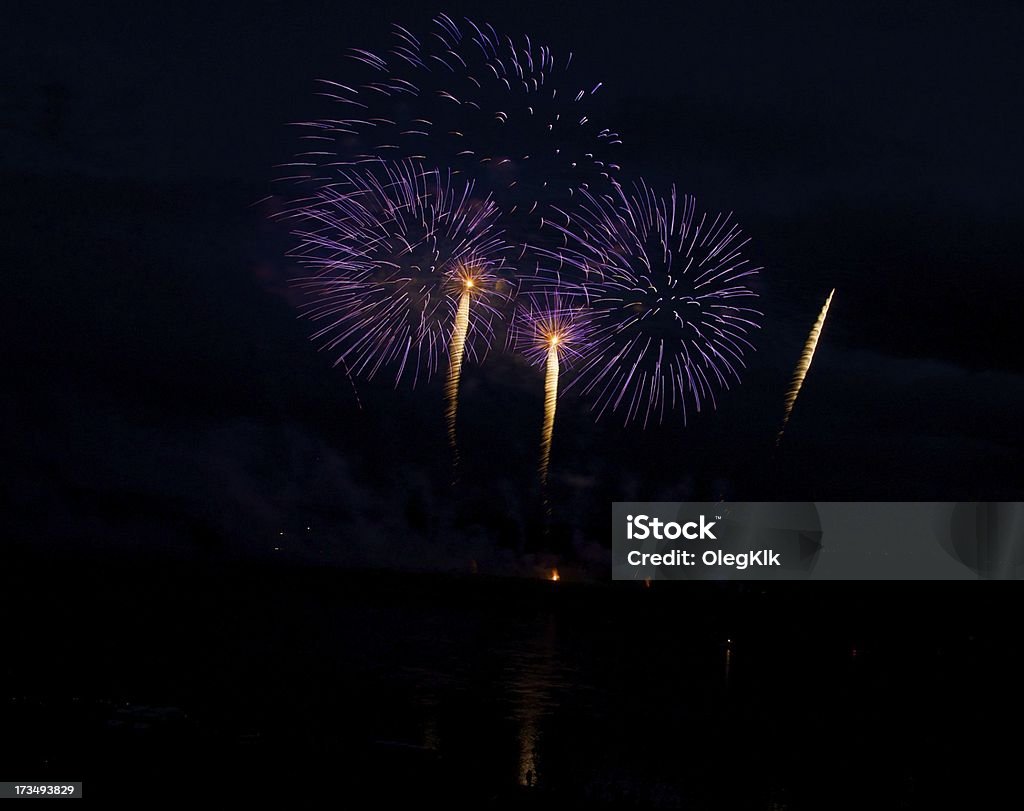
column 506, row 693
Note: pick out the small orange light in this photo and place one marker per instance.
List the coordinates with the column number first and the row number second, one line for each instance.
column 554, row 575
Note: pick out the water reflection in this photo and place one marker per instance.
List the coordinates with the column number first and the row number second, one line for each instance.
column 534, row 675
column 528, row 739
column 429, row 686
column 431, row 736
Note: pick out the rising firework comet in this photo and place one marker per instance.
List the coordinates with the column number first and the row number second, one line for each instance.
column 455, row 353
column 551, row 331
column 507, row 113
column 402, row 269
column 803, row 365
column 669, row 289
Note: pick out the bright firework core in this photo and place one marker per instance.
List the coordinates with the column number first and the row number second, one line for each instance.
column 547, row 330
column 552, row 322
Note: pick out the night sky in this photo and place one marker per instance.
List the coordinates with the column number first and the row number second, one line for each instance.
column 162, row 397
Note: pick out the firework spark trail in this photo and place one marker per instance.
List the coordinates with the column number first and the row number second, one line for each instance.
column 666, row 287
column 550, row 401
column 552, row 329
column 390, row 249
column 458, row 345
column 803, row 365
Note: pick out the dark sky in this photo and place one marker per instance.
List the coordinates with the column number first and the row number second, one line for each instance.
column 163, row 396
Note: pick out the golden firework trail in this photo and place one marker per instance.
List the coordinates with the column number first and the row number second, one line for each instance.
column 550, row 401
column 457, row 349
column 804, row 364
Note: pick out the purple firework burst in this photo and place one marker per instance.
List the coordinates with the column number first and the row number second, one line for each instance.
column 670, row 292
column 506, row 113
column 390, row 249
column 551, row 330
column 556, row 319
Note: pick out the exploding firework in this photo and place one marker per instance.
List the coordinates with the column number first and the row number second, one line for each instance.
column 506, row 113
column 669, row 290
column 551, row 330
column 402, row 268
column 803, row 365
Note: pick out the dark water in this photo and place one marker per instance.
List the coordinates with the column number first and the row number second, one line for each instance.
column 507, row 693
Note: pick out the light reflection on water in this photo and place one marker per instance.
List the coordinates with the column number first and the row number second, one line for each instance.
column 534, row 674
column 532, row 707
column 431, row 735
column 528, row 752
column 532, row 681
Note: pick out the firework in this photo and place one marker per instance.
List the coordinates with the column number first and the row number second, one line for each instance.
column 507, row 113
column 456, row 351
column 670, row 291
column 550, row 330
column 803, row 365
column 393, row 255
column 550, row 401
